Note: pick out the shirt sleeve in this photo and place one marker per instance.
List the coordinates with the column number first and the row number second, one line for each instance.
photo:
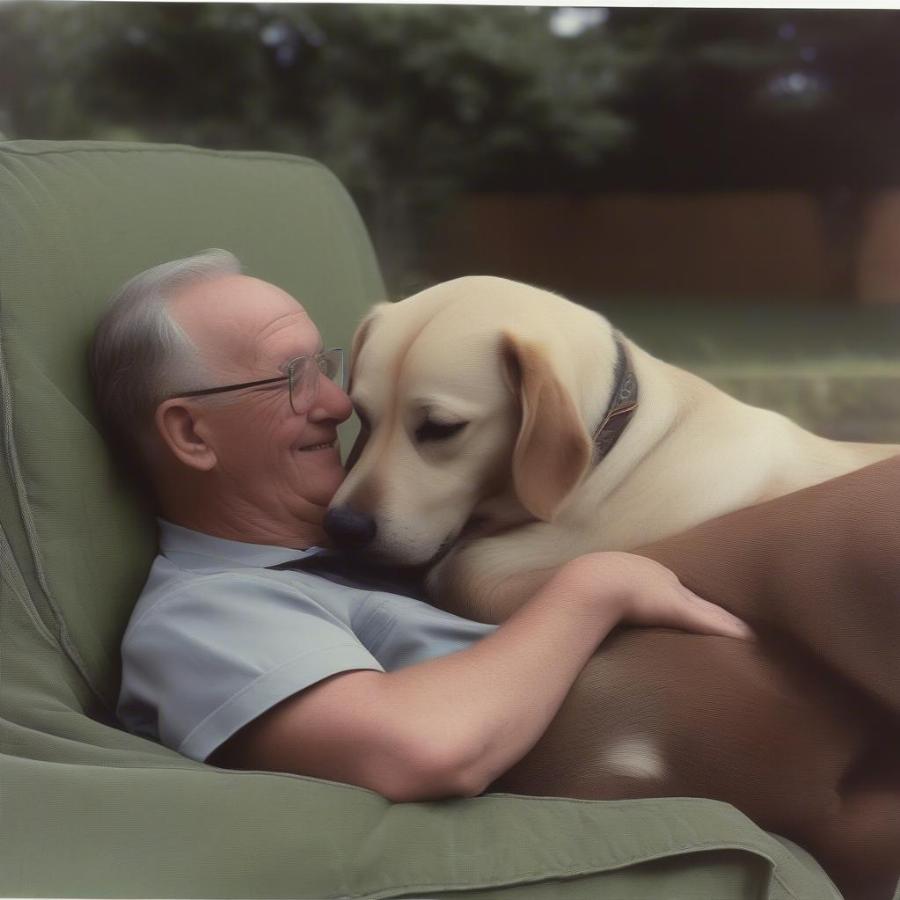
column 403, row 631
column 222, row 650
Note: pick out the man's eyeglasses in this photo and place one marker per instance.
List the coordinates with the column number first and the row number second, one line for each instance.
column 302, row 378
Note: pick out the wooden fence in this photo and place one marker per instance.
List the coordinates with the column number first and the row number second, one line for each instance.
column 729, row 246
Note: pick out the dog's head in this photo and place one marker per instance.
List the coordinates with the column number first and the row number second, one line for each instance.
column 472, row 399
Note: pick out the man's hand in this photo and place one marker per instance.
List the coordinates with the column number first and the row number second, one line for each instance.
column 644, row 592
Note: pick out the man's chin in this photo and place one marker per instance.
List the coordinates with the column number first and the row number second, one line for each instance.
column 321, row 487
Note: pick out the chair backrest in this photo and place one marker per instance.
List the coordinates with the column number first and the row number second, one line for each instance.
column 76, row 220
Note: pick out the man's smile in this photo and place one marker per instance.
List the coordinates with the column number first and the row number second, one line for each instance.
column 325, row 446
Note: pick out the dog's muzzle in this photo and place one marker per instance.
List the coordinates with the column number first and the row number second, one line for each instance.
column 349, row 528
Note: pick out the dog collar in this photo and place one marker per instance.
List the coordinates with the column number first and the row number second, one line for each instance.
column 621, row 406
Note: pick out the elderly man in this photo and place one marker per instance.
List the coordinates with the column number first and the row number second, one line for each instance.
column 217, row 387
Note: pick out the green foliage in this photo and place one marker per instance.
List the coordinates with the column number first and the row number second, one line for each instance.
column 407, row 104
column 411, row 104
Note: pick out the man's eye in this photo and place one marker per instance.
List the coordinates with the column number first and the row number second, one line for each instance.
column 435, row 431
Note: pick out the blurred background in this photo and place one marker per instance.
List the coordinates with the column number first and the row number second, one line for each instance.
column 724, row 185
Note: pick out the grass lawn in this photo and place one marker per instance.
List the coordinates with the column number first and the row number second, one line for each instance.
column 834, row 369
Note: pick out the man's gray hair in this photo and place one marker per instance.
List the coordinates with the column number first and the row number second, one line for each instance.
column 139, row 354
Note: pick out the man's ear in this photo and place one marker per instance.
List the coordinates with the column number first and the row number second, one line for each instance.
column 176, row 425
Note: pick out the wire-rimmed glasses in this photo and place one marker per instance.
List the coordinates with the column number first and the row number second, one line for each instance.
column 303, row 373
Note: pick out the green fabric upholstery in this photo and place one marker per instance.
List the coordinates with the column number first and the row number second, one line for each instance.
column 86, row 809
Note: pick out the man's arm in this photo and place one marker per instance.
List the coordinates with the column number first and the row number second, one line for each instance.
column 450, row 726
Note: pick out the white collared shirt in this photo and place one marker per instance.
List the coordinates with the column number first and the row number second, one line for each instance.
column 217, row 638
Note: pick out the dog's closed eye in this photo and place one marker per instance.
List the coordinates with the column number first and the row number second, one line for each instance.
column 438, row 431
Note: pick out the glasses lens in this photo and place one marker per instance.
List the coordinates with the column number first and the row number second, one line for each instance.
column 331, row 365
column 303, row 377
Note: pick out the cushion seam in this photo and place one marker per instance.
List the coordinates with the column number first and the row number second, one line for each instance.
column 594, row 868
column 28, row 523
column 12, row 576
column 169, row 148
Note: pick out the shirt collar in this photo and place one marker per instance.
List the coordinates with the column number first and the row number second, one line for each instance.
column 189, row 549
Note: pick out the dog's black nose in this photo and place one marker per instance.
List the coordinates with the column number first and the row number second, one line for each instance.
column 349, row 528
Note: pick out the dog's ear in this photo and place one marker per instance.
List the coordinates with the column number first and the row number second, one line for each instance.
column 359, row 338
column 553, row 450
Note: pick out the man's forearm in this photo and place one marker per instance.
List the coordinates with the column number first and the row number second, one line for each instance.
column 486, row 706
column 516, row 590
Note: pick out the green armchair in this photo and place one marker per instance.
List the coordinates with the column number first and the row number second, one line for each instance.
column 87, row 809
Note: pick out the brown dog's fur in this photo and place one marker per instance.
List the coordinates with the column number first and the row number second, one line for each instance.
column 732, row 721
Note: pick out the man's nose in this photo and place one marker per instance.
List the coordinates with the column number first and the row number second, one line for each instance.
column 348, row 527
column 332, row 402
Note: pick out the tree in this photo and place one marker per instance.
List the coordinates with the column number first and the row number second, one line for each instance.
column 408, row 104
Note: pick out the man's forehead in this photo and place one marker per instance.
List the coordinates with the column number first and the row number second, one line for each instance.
column 240, row 315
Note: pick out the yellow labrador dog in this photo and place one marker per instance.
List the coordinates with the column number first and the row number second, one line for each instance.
column 505, row 428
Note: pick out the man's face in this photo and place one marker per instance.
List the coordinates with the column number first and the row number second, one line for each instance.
column 271, row 461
